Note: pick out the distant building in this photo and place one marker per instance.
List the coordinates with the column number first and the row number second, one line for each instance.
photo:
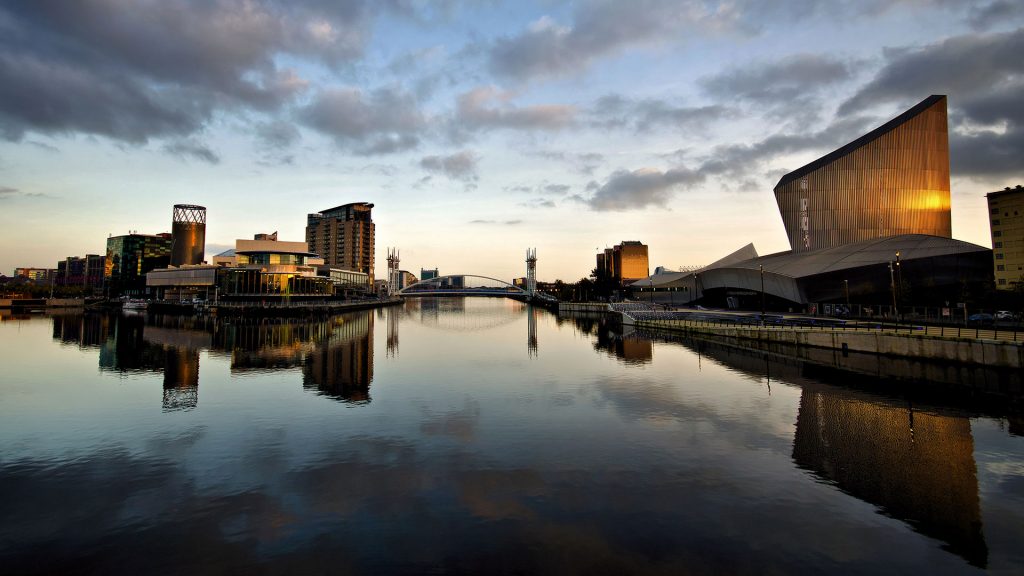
column 344, row 237
column 624, row 262
column 1006, row 218
column 81, row 272
column 406, row 278
column 427, row 274
column 891, row 181
column 37, row 275
column 129, row 258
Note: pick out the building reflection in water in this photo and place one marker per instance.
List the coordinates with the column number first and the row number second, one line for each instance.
column 915, row 462
column 621, row 342
column 335, row 354
column 341, row 367
column 916, row 465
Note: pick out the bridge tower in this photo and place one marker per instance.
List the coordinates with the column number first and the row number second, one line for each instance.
column 393, row 274
column 531, row 271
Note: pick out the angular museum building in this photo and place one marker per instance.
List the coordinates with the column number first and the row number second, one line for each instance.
column 865, row 222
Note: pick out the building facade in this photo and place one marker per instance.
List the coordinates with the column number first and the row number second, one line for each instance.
column 344, row 237
column 188, row 233
column 129, row 258
column 37, row 275
column 427, row 274
column 893, row 180
column 625, row 262
column 260, row 269
column 81, row 272
column 1006, row 219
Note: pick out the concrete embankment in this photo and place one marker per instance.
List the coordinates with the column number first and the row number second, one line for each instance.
column 275, row 309
column 997, row 353
column 41, row 302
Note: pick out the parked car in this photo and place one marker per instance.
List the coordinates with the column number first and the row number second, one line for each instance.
column 980, row 317
column 1004, row 315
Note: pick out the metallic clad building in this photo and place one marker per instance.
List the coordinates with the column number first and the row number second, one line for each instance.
column 344, row 237
column 893, row 180
column 188, row 233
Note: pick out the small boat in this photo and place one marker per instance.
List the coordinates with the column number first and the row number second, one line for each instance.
column 133, row 304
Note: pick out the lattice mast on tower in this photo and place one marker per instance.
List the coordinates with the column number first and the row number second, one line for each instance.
column 531, row 271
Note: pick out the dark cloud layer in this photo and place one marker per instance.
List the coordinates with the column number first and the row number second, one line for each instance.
column 637, row 189
column 983, row 75
column 617, row 111
column 382, row 122
column 133, row 71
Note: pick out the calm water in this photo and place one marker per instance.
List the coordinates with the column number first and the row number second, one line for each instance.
column 464, row 436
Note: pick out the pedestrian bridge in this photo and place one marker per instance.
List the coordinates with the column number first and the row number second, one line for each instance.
column 464, row 285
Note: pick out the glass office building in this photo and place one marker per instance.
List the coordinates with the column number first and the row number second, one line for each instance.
column 129, row 258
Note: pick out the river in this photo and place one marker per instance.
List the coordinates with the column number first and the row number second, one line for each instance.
column 477, row 436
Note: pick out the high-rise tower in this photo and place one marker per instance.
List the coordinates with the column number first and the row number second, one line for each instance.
column 893, row 180
column 344, row 237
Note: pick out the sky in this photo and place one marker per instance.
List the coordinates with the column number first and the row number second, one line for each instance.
column 479, row 129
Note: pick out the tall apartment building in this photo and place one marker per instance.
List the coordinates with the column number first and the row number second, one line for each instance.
column 344, row 237
column 75, row 271
column 1006, row 218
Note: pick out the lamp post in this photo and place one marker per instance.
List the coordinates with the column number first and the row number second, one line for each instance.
column 892, row 286
column 761, row 268
column 846, row 288
column 899, row 284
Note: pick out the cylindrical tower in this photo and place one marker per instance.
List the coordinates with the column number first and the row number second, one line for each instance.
column 188, row 230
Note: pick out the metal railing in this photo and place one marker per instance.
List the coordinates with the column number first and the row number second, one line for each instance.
column 963, row 332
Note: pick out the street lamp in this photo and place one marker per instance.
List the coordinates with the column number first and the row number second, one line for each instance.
column 899, row 283
column 846, row 288
column 892, row 286
column 761, row 267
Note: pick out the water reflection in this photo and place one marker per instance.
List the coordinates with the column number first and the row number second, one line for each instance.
column 335, row 353
column 624, row 344
column 917, row 465
column 913, row 460
column 341, row 366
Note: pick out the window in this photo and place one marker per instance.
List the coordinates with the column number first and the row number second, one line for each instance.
column 995, row 222
column 1002, row 280
column 1000, row 268
column 995, row 211
column 998, row 245
column 996, row 233
column 999, row 255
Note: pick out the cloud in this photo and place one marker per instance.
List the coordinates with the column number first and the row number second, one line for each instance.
column 616, row 111
column 192, row 149
column 637, row 189
column 278, row 134
column 598, row 29
column 501, row 222
column 983, row 74
column 132, row 71
column 458, row 166
column 381, row 122
column 538, row 203
column 985, row 16
column 780, row 81
column 487, row 107
column 7, row 191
